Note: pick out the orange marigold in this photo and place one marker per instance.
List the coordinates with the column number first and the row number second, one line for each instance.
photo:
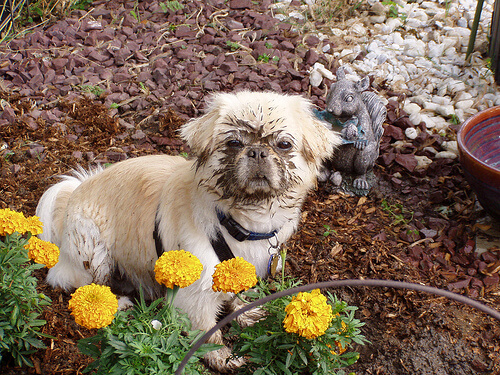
column 177, row 268
column 12, row 221
column 234, row 275
column 42, row 252
column 308, row 314
column 93, row 306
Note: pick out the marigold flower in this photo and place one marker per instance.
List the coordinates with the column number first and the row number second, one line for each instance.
column 93, row 306
column 42, row 252
column 11, row 221
column 308, row 314
column 177, row 268
column 34, row 225
column 233, row 276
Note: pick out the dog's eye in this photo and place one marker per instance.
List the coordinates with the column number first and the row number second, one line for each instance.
column 284, row 145
column 349, row 98
column 234, row 143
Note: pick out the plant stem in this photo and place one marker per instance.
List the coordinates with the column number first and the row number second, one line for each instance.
column 283, row 259
column 473, row 32
column 170, row 296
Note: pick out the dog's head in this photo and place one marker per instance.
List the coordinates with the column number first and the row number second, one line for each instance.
column 258, row 145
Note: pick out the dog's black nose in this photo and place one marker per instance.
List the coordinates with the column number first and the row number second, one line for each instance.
column 258, row 153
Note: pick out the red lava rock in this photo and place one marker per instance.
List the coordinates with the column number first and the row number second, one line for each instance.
column 488, row 257
column 311, row 57
column 491, row 280
column 8, row 114
column 407, row 161
column 184, row 31
column 460, row 284
column 312, row 40
column 394, row 132
column 240, row 4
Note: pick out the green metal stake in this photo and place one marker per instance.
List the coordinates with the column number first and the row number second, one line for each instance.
column 473, row 31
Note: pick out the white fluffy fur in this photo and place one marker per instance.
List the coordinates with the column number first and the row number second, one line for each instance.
column 105, row 219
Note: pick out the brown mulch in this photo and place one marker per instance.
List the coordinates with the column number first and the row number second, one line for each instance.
column 152, row 74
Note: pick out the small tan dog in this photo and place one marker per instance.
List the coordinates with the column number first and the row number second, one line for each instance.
column 257, row 154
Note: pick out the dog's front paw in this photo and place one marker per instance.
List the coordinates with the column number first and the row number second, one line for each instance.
column 220, row 360
column 124, row 303
column 250, row 317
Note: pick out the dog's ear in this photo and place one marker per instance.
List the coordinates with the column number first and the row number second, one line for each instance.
column 199, row 133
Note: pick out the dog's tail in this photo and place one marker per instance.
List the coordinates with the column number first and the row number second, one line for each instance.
column 52, row 205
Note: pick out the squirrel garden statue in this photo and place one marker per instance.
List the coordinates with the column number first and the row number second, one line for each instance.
column 358, row 115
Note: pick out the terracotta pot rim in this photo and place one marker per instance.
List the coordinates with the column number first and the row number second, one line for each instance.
column 469, row 123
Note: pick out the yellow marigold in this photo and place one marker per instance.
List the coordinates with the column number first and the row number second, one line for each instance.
column 42, row 252
column 11, row 221
column 308, row 314
column 93, row 306
column 177, row 268
column 234, row 275
column 34, row 225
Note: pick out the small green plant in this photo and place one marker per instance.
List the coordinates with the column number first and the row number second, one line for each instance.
column 8, row 154
column 135, row 12
column 328, row 230
column 174, row 6
column 95, row 90
column 143, row 88
column 397, row 211
column 184, row 154
column 20, row 302
column 233, row 45
column 454, row 119
column 149, row 339
column 268, row 45
column 412, row 232
column 394, row 10
column 82, row 4
column 114, row 105
column 270, row 349
column 276, row 59
column 264, row 57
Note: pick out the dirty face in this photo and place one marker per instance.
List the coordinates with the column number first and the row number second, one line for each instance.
column 254, row 147
column 255, row 162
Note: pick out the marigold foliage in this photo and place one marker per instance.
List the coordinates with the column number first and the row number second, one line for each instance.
column 308, row 314
column 233, row 276
column 93, row 306
column 42, row 252
column 12, row 221
column 177, row 268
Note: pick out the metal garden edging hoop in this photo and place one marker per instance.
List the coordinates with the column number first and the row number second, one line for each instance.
column 336, row 284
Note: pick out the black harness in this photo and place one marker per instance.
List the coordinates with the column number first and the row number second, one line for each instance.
column 219, row 244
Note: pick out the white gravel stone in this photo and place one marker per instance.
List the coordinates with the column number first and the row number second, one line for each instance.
column 450, row 146
column 415, row 118
column 422, row 161
column 412, row 108
column 464, row 104
column 431, row 106
column 445, row 155
column 421, row 54
column 315, row 78
column 411, row 133
column 446, row 110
